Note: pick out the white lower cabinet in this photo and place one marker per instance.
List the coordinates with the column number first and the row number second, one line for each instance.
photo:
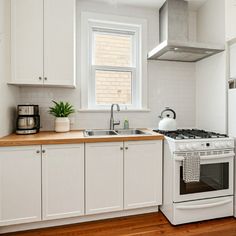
column 62, row 181
column 142, row 174
column 51, row 182
column 104, row 177
column 41, row 179
column 125, row 175
column 20, row 185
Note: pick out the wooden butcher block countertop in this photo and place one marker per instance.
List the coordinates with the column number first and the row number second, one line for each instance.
column 72, row 137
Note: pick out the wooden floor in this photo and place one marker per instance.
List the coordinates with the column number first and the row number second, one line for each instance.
column 145, row 225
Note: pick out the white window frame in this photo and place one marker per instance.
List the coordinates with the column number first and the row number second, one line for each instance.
column 138, row 28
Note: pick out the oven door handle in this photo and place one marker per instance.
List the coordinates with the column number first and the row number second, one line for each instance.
column 208, row 157
column 204, row 205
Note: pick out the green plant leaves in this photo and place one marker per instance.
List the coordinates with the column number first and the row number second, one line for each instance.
column 61, row 109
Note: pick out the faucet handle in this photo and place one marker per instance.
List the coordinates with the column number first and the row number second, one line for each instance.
column 117, row 122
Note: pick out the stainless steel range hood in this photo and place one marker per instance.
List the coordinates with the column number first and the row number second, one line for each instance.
column 175, row 44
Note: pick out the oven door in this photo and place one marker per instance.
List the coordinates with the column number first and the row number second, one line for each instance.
column 216, row 178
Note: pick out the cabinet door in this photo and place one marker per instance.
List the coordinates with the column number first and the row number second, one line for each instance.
column 231, row 113
column 20, row 185
column 27, row 41
column 230, row 15
column 142, row 174
column 104, row 177
column 63, row 181
column 59, row 42
column 232, row 53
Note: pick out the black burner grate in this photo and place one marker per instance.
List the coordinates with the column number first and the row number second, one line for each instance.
column 191, row 134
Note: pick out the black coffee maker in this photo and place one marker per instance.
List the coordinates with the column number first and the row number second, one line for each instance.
column 28, row 119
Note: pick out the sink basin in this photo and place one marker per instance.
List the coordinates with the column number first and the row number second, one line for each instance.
column 114, row 132
column 131, row 132
column 99, row 133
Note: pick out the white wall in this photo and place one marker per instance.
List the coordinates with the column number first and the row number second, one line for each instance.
column 211, row 22
column 170, row 84
column 8, row 94
column 210, row 94
column 211, row 72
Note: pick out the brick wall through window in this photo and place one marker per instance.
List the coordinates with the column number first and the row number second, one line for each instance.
column 113, row 50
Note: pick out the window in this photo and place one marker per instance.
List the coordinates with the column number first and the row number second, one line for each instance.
column 114, row 70
column 113, row 66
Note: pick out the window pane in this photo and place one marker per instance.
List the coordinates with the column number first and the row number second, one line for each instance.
column 113, row 87
column 112, row 49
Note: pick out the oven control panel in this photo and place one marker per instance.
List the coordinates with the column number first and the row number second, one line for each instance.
column 204, row 145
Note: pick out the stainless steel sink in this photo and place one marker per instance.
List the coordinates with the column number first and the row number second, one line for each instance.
column 88, row 133
column 99, row 133
column 131, row 132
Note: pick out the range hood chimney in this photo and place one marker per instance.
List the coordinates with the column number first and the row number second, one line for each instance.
column 174, row 41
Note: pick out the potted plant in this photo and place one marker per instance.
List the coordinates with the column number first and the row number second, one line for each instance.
column 61, row 110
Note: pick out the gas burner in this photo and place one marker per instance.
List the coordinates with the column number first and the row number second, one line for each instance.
column 191, row 134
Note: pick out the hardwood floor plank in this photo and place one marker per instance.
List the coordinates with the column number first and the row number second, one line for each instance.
column 154, row 224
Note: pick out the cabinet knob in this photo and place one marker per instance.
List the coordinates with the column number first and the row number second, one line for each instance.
column 43, row 151
column 45, row 78
column 126, row 148
column 37, row 151
column 121, row 148
column 40, row 78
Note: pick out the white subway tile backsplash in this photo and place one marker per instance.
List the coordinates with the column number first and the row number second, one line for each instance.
column 170, row 84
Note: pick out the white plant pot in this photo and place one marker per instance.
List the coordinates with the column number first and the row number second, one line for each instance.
column 62, row 124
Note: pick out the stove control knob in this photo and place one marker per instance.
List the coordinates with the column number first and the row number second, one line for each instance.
column 196, row 146
column 189, row 147
column 181, row 147
column 223, row 145
column 229, row 144
column 217, row 144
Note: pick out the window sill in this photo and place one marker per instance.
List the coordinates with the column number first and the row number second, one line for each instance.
column 109, row 110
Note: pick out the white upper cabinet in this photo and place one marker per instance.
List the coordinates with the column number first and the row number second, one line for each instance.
column 230, row 14
column 232, row 61
column 43, row 42
column 20, row 185
column 62, row 181
column 59, row 42
column 27, row 41
column 142, row 174
column 104, row 177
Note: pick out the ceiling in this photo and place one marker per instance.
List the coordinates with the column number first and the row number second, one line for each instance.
column 193, row 4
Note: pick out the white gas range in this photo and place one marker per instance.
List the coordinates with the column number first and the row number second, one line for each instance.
column 212, row 196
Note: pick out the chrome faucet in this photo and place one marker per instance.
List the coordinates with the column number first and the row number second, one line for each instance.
column 112, row 122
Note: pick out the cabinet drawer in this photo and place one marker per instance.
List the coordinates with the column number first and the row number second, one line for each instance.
column 203, row 210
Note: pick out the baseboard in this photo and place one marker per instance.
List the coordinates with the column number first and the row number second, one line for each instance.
column 74, row 220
